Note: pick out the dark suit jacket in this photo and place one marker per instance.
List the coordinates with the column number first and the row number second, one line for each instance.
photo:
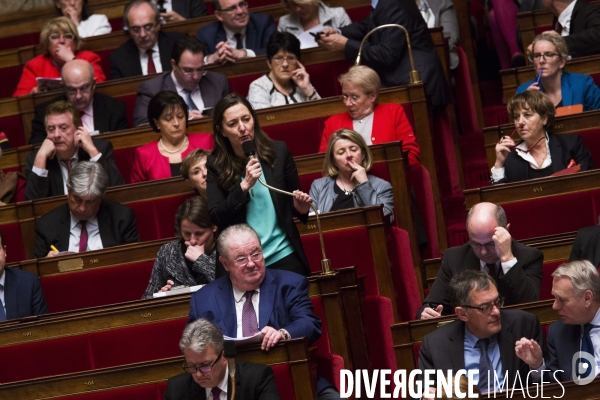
column 284, row 304
column 259, row 30
column 115, row 221
column 444, row 348
column 125, row 59
column 227, row 206
column 563, row 343
column 587, row 245
column 584, row 33
column 109, row 116
column 563, row 149
column 386, row 50
column 252, row 382
column 23, row 294
column 38, row 187
column 189, row 8
column 212, row 87
column 520, row 285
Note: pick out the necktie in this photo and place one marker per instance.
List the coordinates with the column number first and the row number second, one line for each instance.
column 216, row 392
column 239, row 41
column 493, row 272
column 2, row 313
column 69, row 165
column 588, row 347
column 249, row 322
column 151, row 67
column 83, row 238
column 190, row 103
column 485, row 364
column 558, row 27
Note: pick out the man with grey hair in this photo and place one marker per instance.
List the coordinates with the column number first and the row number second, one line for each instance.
column 99, row 112
column 67, row 143
column 86, row 221
column 516, row 268
column 576, row 291
column 483, row 338
column 207, row 373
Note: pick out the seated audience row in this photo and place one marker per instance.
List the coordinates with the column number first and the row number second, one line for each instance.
column 87, row 24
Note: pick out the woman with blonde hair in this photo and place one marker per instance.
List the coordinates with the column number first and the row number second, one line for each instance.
column 60, row 43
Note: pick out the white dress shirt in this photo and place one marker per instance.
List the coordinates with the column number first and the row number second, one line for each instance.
column 196, row 95
column 94, row 240
column 564, row 19
column 87, row 118
column 233, row 41
column 498, row 173
column 155, row 58
column 506, row 266
column 222, row 386
column 64, row 171
column 240, row 299
column 2, row 283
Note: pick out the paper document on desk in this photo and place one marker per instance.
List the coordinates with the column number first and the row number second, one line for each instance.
column 245, row 340
column 181, row 290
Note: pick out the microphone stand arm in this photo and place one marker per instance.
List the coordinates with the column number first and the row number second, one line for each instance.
column 325, row 262
column 414, row 74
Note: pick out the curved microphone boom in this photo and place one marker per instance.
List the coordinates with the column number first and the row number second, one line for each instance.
column 250, row 152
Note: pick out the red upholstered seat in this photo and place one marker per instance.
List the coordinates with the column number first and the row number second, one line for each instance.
column 12, row 125
column 420, row 182
column 153, row 391
column 596, row 78
column 302, row 137
column 542, row 29
column 96, row 287
column 591, row 139
column 549, row 268
column 13, row 241
column 324, row 77
column 378, row 319
column 241, row 84
column 408, row 297
column 14, row 42
column 416, row 348
column 155, row 218
column 322, row 344
column 123, row 157
column 116, row 24
column 46, row 358
column 358, row 13
column 129, row 101
column 284, row 381
column 467, row 113
column 105, row 61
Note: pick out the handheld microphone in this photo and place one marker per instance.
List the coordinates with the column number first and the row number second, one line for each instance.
column 249, row 149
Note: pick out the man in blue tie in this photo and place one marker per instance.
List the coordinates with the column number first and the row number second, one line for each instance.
column 20, row 291
column 483, row 338
column 576, row 291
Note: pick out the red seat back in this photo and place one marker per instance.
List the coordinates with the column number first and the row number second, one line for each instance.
column 155, row 218
column 408, row 298
column 420, row 182
column 14, row 42
column 12, row 125
column 284, row 381
column 129, row 100
column 358, row 13
column 378, row 320
column 152, row 391
column 241, row 84
column 302, row 137
column 591, row 139
column 123, row 157
column 322, row 344
column 13, row 242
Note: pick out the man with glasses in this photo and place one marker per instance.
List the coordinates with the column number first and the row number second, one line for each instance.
column 515, row 268
column 99, row 112
column 483, row 339
column 253, row 299
column 237, row 33
column 200, row 89
column 207, row 370
column 148, row 50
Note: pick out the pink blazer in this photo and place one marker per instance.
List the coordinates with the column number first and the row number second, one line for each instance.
column 148, row 164
column 389, row 124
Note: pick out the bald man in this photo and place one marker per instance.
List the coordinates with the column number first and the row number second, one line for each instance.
column 99, row 113
column 516, row 268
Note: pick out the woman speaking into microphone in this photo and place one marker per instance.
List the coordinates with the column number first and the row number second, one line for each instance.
column 235, row 195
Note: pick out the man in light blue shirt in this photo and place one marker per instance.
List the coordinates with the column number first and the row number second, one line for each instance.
column 483, row 338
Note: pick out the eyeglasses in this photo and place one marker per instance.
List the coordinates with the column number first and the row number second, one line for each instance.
column 242, row 5
column 66, row 36
column 138, row 29
column 487, row 309
column 478, row 246
column 281, row 59
column 243, row 261
column 188, row 72
column 205, row 369
column 353, row 98
column 546, row 56
column 83, row 89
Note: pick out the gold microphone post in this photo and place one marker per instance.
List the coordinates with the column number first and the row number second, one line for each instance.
column 414, row 74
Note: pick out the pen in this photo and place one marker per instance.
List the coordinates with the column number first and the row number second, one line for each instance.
column 54, row 248
column 539, row 76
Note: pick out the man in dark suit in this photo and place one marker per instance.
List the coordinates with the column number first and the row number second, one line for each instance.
column 20, row 291
column 148, row 51
column 199, row 88
column 587, row 245
column 576, row 291
column 180, row 10
column 86, row 221
column 483, row 339
column 516, row 268
column 99, row 113
column 284, row 309
column 386, row 50
column 579, row 23
column 67, row 142
column 207, row 370
column 237, row 33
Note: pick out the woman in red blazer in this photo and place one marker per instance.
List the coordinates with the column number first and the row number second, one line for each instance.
column 60, row 41
column 168, row 115
column 376, row 123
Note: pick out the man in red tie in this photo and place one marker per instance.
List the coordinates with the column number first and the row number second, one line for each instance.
column 148, row 51
column 87, row 221
column 207, row 374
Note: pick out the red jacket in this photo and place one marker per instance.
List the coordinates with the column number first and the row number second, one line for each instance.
column 148, row 164
column 43, row 67
column 389, row 124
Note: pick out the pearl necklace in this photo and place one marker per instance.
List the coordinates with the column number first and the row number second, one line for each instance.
column 172, row 151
